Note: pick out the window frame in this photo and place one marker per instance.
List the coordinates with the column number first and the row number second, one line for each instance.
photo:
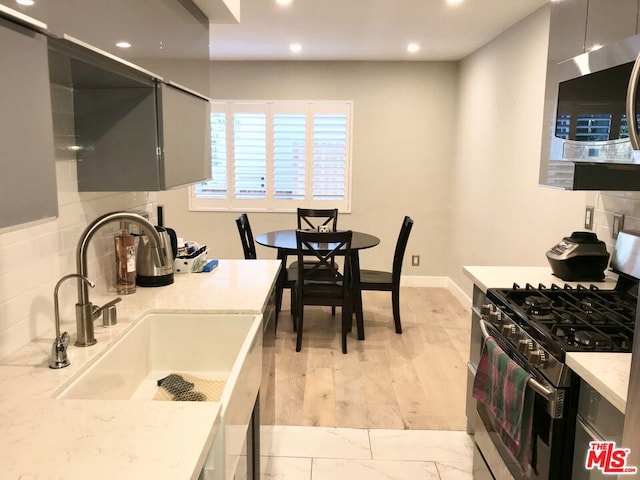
column 270, row 204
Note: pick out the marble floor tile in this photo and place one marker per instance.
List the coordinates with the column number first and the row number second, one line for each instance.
column 455, row 471
column 340, row 469
column 285, row 468
column 448, row 447
column 325, row 442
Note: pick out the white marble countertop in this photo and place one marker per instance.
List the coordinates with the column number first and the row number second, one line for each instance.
column 608, row 373
column 505, row 277
column 45, row 438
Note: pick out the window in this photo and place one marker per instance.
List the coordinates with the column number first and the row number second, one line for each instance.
column 277, row 156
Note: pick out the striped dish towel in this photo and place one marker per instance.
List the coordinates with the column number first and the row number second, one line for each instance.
column 501, row 385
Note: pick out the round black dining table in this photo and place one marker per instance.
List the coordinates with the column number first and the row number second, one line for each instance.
column 285, row 242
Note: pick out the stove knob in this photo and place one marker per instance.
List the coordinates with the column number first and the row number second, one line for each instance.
column 508, row 331
column 486, row 309
column 525, row 345
column 537, row 358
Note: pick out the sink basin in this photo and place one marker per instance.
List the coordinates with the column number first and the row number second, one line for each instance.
column 220, row 347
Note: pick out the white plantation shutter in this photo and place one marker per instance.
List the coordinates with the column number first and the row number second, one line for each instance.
column 278, row 156
column 289, row 151
column 217, row 186
column 329, row 156
column 250, row 152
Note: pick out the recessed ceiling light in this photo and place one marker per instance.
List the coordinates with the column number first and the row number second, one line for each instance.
column 295, row 47
column 123, row 45
column 413, row 48
column 454, row 2
column 284, row 3
column 26, row 3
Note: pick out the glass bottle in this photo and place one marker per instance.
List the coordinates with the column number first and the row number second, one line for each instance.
column 125, row 261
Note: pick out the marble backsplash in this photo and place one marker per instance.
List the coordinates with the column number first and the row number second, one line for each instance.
column 608, row 204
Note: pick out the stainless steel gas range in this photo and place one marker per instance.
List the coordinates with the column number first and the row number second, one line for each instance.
column 537, row 326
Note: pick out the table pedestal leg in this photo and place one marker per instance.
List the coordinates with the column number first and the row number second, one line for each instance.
column 357, row 293
column 282, row 275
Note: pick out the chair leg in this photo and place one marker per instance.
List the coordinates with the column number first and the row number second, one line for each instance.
column 395, row 301
column 275, row 330
column 299, row 318
column 333, row 310
column 294, row 308
column 346, row 324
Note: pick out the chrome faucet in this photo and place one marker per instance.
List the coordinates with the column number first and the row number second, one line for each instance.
column 59, row 358
column 86, row 312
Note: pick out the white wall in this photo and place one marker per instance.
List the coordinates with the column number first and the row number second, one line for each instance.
column 33, row 258
column 500, row 216
column 402, row 151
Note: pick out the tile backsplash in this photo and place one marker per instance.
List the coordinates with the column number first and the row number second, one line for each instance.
column 606, row 205
column 35, row 256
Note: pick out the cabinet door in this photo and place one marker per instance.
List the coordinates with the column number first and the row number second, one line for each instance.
column 607, row 23
column 185, row 137
column 116, row 132
column 567, row 29
column 28, row 181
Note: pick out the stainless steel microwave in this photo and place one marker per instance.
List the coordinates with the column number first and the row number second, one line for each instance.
column 595, row 142
column 596, row 99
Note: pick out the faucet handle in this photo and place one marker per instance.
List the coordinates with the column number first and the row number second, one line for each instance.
column 96, row 311
column 109, row 313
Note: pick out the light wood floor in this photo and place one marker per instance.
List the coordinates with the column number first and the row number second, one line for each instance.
column 416, row 380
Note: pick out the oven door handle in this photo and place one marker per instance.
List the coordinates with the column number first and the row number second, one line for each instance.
column 533, row 383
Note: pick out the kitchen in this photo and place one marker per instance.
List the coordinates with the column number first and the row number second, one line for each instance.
column 489, row 172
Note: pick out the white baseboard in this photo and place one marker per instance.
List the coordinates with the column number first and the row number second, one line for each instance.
column 423, row 281
column 438, row 282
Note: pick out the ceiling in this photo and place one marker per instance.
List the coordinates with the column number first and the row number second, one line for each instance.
column 364, row 29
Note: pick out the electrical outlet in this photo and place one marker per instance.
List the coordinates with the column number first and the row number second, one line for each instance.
column 618, row 224
column 588, row 218
column 415, row 260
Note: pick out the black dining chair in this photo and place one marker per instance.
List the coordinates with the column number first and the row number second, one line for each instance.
column 320, row 282
column 246, row 237
column 390, row 281
column 313, row 218
column 249, row 249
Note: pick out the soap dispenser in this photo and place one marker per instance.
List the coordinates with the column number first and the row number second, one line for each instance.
column 125, row 261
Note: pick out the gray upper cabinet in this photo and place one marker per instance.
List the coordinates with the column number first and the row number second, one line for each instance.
column 607, row 23
column 134, row 131
column 141, row 139
column 185, row 136
column 158, row 30
column 28, row 182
